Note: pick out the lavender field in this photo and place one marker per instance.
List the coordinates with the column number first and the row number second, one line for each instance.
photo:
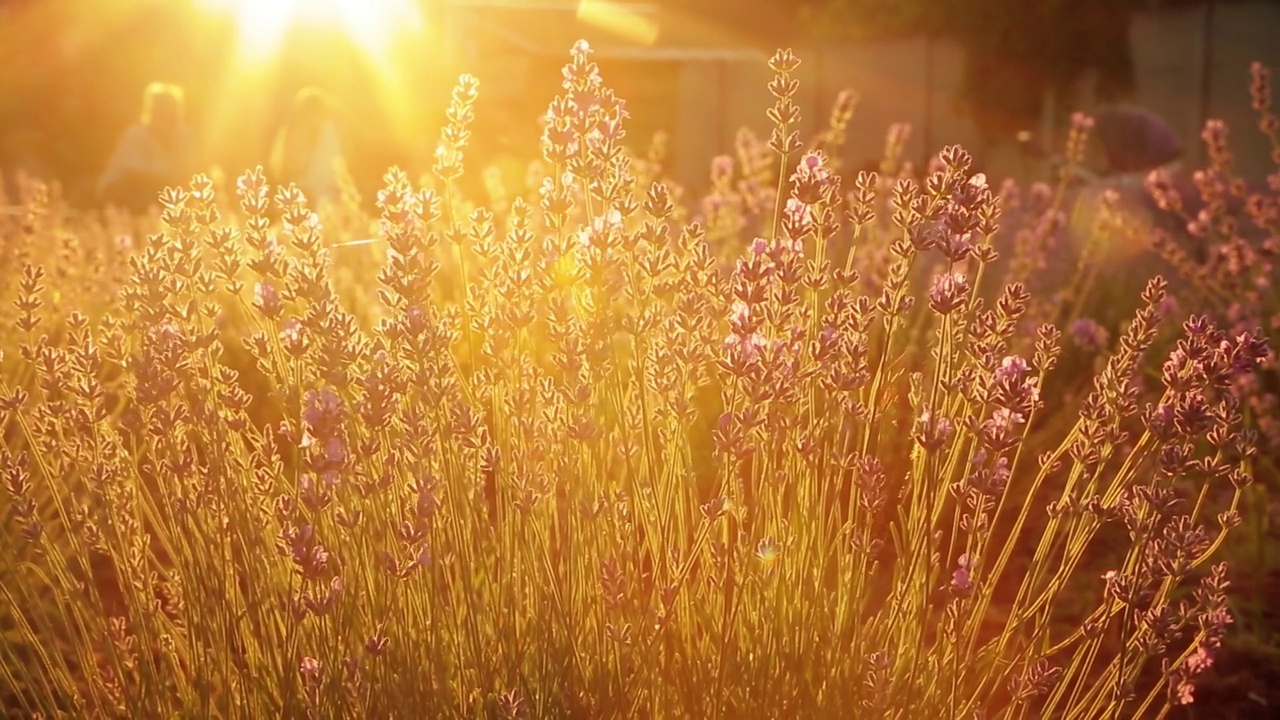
column 820, row 441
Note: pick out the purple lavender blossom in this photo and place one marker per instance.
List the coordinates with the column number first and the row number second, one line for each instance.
column 950, row 292
column 1089, row 335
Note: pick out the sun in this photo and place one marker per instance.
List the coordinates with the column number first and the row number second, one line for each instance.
column 263, row 24
column 275, row 34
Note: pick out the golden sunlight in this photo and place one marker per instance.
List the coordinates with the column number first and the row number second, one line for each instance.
column 315, row 38
column 371, row 23
column 626, row 21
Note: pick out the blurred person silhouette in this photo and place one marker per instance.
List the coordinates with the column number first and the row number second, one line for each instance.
column 152, row 154
column 307, row 148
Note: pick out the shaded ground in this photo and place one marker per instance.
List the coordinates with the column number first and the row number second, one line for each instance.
column 1245, row 682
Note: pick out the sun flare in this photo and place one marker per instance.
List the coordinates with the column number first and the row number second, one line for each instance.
column 327, row 41
column 371, row 23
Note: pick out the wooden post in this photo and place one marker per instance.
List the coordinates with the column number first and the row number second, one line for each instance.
column 926, row 125
column 722, row 110
column 819, row 102
column 1049, row 120
column 1206, row 72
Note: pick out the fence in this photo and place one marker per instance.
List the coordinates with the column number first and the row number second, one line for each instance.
column 917, row 81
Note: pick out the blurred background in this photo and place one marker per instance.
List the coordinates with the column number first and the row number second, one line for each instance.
column 976, row 72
